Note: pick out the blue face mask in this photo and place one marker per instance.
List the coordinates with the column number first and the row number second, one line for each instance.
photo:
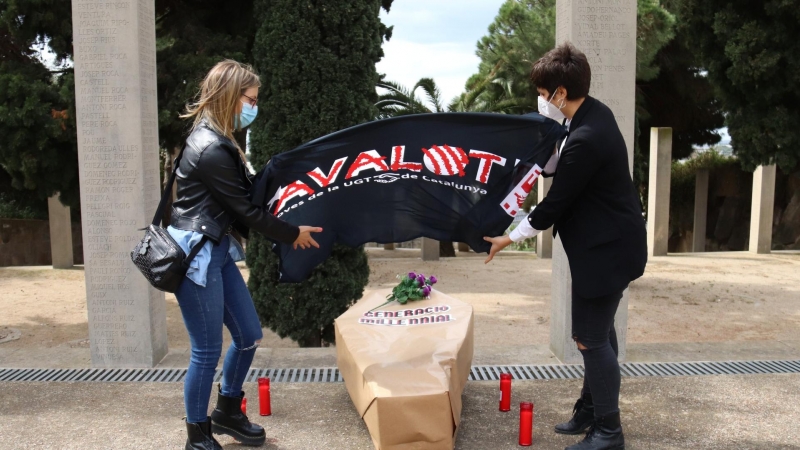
column 247, row 116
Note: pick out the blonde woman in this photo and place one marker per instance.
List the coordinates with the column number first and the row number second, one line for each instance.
column 212, row 198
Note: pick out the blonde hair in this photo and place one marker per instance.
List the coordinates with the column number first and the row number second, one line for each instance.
column 218, row 100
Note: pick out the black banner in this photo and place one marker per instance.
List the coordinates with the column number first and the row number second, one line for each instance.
column 451, row 177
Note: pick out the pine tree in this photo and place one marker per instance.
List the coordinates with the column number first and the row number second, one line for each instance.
column 37, row 103
column 38, row 151
column 522, row 32
column 749, row 50
column 317, row 65
column 191, row 38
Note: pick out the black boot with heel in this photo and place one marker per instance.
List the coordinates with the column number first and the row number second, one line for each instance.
column 229, row 419
column 605, row 434
column 200, row 437
column 582, row 417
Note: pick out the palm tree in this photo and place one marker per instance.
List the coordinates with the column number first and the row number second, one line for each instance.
column 400, row 101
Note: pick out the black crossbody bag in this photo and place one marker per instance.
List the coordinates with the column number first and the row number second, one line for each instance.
column 160, row 259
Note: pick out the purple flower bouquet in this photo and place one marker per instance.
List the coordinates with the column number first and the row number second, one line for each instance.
column 412, row 287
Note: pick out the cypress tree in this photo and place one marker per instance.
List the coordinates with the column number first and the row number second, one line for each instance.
column 317, row 62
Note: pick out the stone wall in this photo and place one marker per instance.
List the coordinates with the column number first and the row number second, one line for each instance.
column 729, row 202
column 786, row 227
column 27, row 243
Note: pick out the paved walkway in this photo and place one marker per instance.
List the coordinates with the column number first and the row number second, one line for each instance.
column 712, row 412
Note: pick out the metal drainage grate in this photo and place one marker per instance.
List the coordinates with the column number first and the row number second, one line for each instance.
column 555, row 372
column 295, row 375
column 478, row 373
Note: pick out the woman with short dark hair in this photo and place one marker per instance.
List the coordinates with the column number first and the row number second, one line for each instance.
column 594, row 208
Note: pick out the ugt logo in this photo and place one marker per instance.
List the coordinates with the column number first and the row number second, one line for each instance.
column 385, row 178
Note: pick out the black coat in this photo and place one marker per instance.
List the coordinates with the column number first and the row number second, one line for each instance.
column 214, row 192
column 594, row 207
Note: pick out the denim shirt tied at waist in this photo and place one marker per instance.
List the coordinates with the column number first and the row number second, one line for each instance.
column 198, row 267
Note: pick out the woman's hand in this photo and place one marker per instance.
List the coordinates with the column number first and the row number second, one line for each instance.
column 498, row 243
column 304, row 240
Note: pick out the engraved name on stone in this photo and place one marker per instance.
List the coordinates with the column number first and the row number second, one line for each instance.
column 115, row 89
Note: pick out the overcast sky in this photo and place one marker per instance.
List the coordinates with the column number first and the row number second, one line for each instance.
column 435, row 39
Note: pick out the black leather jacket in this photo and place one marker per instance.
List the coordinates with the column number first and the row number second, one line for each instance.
column 213, row 193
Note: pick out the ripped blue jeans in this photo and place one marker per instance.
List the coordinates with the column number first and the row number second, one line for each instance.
column 224, row 300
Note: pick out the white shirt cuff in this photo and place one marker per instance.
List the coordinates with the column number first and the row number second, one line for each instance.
column 552, row 163
column 523, row 231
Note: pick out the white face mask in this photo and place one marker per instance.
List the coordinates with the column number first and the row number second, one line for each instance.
column 550, row 110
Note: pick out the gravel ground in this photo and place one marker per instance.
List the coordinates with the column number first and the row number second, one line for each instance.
column 708, row 297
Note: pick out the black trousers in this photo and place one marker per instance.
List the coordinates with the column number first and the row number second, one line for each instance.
column 593, row 327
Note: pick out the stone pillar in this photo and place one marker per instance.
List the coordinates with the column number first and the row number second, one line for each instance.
column 609, row 41
column 658, row 192
column 700, row 211
column 117, row 116
column 463, row 247
column 762, row 209
column 544, row 240
column 60, row 233
column 430, row 249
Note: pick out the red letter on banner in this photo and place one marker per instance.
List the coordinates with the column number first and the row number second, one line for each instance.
column 296, row 189
column 487, row 160
column 325, row 180
column 398, row 154
column 365, row 161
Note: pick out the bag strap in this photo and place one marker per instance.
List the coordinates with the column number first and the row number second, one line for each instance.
column 167, row 191
column 163, row 204
column 195, row 250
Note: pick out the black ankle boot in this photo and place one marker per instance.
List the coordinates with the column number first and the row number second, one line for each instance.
column 228, row 418
column 605, row 434
column 200, row 437
column 582, row 417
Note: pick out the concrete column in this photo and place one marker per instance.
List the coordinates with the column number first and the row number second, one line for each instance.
column 115, row 88
column 700, row 211
column 612, row 57
column 544, row 241
column 462, row 247
column 658, row 192
column 762, row 209
column 60, row 233
column 430, row 249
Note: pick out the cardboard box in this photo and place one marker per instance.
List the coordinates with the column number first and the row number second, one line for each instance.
column 405, row 367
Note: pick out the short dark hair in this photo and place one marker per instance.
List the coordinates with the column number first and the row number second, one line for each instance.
column 565, row 66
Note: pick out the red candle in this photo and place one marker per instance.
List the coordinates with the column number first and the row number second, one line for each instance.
column 505, row 392
column 525, row 424
column 265, row 408
column 244, row 406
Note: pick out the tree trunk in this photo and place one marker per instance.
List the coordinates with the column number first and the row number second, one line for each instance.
column 446, row 249
column 313, row 340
